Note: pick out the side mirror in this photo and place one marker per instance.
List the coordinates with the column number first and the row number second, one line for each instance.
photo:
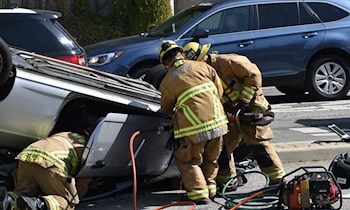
column 6, row 62
column 200, row 33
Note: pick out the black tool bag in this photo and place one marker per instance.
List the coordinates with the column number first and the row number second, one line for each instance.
column 340, row 167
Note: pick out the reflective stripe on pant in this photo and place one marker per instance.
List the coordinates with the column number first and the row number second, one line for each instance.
column 197, row 163
column 33, row 180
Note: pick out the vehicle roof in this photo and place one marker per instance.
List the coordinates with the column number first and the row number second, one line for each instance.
column 17, row 14
column 226, row 3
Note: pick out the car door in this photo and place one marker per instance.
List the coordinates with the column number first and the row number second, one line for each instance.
column 108, row 154
column 230, row 31
column 285, row 39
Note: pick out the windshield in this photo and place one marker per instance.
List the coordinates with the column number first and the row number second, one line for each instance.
column 176, row 22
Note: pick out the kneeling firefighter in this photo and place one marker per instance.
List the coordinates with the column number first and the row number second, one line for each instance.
column 191, row 95
column 248, row 110
column 44, row 178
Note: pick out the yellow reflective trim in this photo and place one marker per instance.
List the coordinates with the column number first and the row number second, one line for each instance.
column 32, row 154
column 234, row 95
column 191, row 92
column 72, row 153
column 215, row 123
column 53, row 203
column 212, row 189
column 198, row 194
column 224, row 86
column 248, row 92
column 276, row 174
column 190, row 116
column 216, row 108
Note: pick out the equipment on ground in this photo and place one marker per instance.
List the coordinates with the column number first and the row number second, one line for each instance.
column 306, row 188
column 340, row 167
column 313, row 187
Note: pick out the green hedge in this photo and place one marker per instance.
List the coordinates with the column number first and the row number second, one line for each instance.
column 132, row 17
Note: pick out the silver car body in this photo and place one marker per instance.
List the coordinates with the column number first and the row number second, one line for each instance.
column 43, row 93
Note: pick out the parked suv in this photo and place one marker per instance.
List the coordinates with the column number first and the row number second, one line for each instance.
column 298, row 45
column 40, row 32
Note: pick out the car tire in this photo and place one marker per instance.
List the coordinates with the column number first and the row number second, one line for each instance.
column 5, row 62
column 292, row 91
column 140, row 71
column 328, row 78
column 155, row 75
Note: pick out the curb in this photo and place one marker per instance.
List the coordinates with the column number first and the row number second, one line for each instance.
column 310, row 151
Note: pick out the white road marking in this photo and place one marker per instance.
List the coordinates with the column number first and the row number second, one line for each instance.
column 311, row 106
column 310, row 130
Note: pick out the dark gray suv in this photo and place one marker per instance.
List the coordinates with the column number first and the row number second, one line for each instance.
column 299, row 45
column 39, row 31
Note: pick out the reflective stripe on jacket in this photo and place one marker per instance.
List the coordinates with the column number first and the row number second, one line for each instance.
column 191, row 95
column 241, row 79
column 62, row 150
column 197, row 125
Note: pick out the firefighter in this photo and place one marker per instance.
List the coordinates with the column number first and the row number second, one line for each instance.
column 242, row 83
column 191, row 94
column 44, row 178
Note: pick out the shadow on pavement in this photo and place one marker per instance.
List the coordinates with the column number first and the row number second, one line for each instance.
column 276, row 99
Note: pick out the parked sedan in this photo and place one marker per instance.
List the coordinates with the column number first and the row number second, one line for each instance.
column 299, row 45
column 42, row 96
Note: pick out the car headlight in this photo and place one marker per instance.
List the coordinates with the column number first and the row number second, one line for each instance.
column 105, row 58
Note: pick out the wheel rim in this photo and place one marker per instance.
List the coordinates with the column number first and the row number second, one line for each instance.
column 330, row 78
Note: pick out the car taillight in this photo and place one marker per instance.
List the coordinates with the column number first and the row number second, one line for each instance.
column 77, row 59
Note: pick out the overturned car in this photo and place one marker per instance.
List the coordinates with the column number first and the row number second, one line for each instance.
column 40, row 96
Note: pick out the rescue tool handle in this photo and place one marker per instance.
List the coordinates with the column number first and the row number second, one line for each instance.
column 344, row 136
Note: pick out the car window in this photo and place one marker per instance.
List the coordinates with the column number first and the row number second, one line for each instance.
column 226, row 21
column 327, row 12
column 277, row 15
column 176, row 22
column 40, row 36
column 306, row 17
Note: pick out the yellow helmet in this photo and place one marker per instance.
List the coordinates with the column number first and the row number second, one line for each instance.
column 194, row 51
column 165, row 47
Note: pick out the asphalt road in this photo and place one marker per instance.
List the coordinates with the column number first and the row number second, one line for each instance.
column 298, row 118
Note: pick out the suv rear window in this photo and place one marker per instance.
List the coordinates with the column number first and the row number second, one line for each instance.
column 37, row 35
column 327, row 12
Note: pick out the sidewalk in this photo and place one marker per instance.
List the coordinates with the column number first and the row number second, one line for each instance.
column 310, row 151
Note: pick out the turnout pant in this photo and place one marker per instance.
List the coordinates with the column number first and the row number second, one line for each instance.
column 33, row 180
column 197, row 163
column 257, row 138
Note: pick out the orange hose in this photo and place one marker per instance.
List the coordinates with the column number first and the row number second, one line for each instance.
column 178, row 204
column 131, row 147
column 134, row 190
column 246, row 200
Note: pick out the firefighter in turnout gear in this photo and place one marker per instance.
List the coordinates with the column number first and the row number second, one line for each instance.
column 242, row 84
column 44, row 177
column 191, row 94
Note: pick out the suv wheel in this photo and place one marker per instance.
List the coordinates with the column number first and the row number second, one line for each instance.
column 328, row 78
column 155, row 75
column 5, row 62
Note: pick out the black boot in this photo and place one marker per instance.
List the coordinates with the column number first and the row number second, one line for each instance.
column 32, row 203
